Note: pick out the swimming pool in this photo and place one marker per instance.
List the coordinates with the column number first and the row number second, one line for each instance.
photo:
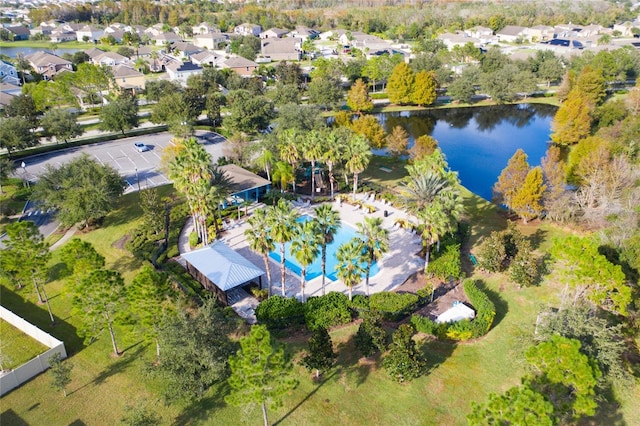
column 344, row 234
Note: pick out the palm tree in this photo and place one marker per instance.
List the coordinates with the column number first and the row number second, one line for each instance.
column 375, row 240
column 434, row 198
column 289, row 151
column 333, row 153
column 282, row 220
column 312, row 151
column 219, row 190
column 283, row 172
column 265, row 161
column 328, row 224
column 260, row 241
column 305, row 245
column 349, row 269
column 358, row 155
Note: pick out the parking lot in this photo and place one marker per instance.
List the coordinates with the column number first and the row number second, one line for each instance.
column 139, row 169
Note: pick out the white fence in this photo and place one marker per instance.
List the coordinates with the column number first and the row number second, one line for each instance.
column 14, row 378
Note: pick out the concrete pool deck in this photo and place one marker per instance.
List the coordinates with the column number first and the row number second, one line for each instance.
column 395, row 266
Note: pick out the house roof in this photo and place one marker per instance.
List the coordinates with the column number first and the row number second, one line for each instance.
column 110, row 55
column 511, row 30
column 19, row 30
column 280, row 45
column 5, row 98
column 93, row 52
column 239, row 62
column 205, row 56
column 40, row 59
column 184, row 46
column 222, row 265
column 8, row 87
column 121, row 71
column 183, row 66
column 458, row 312
column 242, row 179
column 279, row 32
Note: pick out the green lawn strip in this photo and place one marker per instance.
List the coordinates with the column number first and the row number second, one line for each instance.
column 16, row 347
column 47, row 45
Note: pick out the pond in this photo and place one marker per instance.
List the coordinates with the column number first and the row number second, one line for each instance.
column 12, row 52
column 478, row 141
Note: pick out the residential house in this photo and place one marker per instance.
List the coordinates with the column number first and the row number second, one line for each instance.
column 9, row 73
column 240, row 65
column 565, row 31
column 458, row 39
column 207, row 58
column 109, row 59
column 115, row 32
column 19, row 32
column 363, row 41
column 48, row 64
column 512, row 34
column 62, row 34
column 44, row 28
column 181, row 71
column 274, row 33
column 184, row 49
column 145, row 50
column 163, row 39
column 625, row 28
column 128, row 78
column 483, row 35
column 248, row 30
column 89, row 33
column 305, row 33
column 540, row 33
column 591, row 31
column 204, row 28
column 210, row 40
column 333, row 34
column 93, row 52
column 11, row 89
column 5, row 99
column 281, row 49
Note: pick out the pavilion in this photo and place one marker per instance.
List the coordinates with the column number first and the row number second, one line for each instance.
column 219, row 269
column 244, row 184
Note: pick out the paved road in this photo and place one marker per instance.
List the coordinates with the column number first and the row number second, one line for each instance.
column 140, row 169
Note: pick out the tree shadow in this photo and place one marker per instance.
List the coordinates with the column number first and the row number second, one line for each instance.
column 38, row 316
column 352, row 366
column 200, row 410
column 119, row 366
column 59, row 271
column 77, row 422
column 537, row 238
column 10, row 417
column 607, row 413
column 436, row 352
column 502, row 307
column 306, row 398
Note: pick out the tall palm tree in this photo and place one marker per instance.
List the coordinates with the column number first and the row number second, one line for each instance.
column 358, row 155
column 434, row 198
column 265, row 161
column 283, row 173
column 282, row 220
column 289, row 150
column 349, row 268
column 328, row 224
column 333, row 153
column 312, row 151
column 260, row 241
column 219, row 190
column 375, row 240
column 305, row 244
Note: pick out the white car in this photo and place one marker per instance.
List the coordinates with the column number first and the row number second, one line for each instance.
column 141, row 147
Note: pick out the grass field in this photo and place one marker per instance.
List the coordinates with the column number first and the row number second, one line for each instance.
column 16, row 347
column 355, row 392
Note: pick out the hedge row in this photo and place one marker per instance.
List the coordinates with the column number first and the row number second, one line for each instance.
column 393, row 306
column 462, row 330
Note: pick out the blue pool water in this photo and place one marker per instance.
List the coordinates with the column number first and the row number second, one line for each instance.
column 344, row 234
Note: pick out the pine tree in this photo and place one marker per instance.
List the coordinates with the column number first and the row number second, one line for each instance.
column 397, row 142
column 371, row 336
column 424, row 88
column 400, row 85
column 527, row 201
column 321, row 355
column 573, row 119
column 260, row 373
column 358, row 98
column 511, row 179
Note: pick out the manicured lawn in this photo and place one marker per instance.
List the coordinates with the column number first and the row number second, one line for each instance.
column 355, row 392
column 47, row 44
column 16, row 347
column 385, row 171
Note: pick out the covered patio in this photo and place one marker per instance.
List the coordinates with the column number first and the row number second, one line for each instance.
column 245, row 186
column 221, row 269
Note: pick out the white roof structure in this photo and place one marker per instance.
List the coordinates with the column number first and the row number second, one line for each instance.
column 458, row 312
column 222, row 265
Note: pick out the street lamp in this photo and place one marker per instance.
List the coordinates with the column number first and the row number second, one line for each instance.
column 137, row 179
column 26, row 178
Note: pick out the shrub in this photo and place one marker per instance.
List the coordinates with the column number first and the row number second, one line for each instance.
column 193, row 239
column 485, row 309
column 280, row 312
column 404, row 362
column 424, row 294
column 393, row 306
column 327, row 311
column 460, row 330
column 447, row 263
column 491, row 253
column 523, row 269
column 360, row 303
column 371, row 337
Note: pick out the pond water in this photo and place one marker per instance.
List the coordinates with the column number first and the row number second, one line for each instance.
column 479, row 141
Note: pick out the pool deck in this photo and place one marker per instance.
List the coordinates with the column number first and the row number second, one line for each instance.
column 394, row 268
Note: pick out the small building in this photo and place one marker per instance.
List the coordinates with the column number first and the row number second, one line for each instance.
column 511, row 34
column 247, row 29
column 181, row 71
column 207, row 58
column 184, row 49
column 274, row 33
column 109, row 59
column 244, row 184
column 89, row 33
column 9, row 73
column 128, row 78
column 458, row 312
column 240, row 65
column 219, row 269
column 204, row 28
column 19, row 32
column 48, row 64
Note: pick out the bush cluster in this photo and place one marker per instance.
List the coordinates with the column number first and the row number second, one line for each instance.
column 327, row 311
column 447, row 264
column 462, row 330
column 280, row 312
column 393, row 306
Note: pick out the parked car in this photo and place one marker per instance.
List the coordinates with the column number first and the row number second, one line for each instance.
column 141, row 147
